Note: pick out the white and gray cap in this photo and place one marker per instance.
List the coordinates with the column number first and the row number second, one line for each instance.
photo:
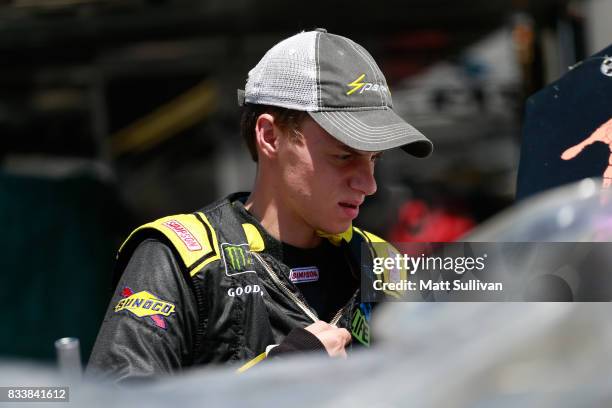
column 338, row 83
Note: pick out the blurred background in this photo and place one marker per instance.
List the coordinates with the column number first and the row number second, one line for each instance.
column 116, row 112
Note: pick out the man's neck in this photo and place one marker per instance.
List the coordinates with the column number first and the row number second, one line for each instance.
column 280, row 222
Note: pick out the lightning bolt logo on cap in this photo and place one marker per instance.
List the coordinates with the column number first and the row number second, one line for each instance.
column 356, row 84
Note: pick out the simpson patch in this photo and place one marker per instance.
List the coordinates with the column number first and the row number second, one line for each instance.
column 306, row 274
column 191, row 243
column 144, row 304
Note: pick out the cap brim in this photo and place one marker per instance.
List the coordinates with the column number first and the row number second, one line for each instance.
column 373, row 130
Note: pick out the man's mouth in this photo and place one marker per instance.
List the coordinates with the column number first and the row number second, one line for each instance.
column 348, row 205
column 350, row 208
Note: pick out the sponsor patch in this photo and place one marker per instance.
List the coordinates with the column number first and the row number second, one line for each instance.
column 144, row 304
column 306, row 274
column 237, row 259
column 184, row 235
column 361, row 86
column 360, row 325
column 248, row 289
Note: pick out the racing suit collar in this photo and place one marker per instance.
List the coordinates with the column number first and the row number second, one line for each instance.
column 239, row 199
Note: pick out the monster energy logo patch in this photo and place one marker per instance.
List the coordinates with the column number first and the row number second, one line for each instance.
column 360, row 328
column 238, row 258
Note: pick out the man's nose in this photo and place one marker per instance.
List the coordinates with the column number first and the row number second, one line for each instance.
column 363, row 179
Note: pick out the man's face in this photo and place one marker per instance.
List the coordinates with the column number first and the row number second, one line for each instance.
column 324, row 181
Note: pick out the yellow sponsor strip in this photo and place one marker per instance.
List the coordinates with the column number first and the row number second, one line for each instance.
column 193, row 230
column 214, row 244
column 390, row 251
column 336, row 239
column 251, row 363
column 256, row 243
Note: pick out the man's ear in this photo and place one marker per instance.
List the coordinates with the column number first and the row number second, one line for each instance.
column 266, row 135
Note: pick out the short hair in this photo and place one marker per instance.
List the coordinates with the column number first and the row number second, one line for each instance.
column 288, row 120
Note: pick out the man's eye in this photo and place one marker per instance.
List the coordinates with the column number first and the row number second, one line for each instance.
column 343, row 157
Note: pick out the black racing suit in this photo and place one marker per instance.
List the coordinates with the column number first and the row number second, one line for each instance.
column 204, row 288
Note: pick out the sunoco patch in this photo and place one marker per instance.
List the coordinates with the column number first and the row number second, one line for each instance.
column 144, row 304
column 305, row 274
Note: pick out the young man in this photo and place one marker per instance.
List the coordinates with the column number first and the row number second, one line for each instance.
column 277, row 270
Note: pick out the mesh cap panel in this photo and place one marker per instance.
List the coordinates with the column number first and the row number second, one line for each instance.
column 286, row 76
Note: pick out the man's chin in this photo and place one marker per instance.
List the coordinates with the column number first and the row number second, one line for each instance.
column 337, row 228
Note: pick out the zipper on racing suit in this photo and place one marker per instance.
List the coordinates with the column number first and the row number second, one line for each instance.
column 302, row 305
